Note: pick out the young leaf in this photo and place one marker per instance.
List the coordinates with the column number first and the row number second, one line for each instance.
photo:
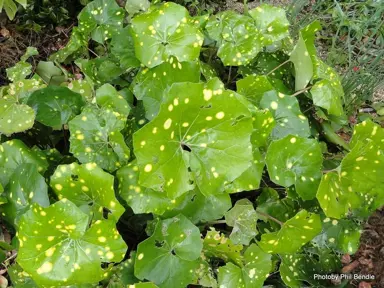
column 304, row 54
column 89, row 187
column 22, row 69
column 257, row 266
column 286, row 111
column 82, row 87
column 141, row 199
column 26, row 186
column 271, row 22
column 14, row 153
column 197, row 126
column 95, row 137
column 238, row 38
column 101, row 18
column 242, row 217
column 153, row 47
column 296, row 161
column 216, row 245
column 20, row 278
column 170, row 254
column 66, row 251
column 151, row 85
column 55, row 106
column 294, row 234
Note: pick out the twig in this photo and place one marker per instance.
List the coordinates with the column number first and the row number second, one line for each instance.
column 10, row 258
column 270, row 217
column 274, row 69
column 301, row 91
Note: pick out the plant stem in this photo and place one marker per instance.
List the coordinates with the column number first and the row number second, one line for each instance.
column 245, row 7
column 301, row 91
column 274, row 69
column 217, row 222
column 270, row 217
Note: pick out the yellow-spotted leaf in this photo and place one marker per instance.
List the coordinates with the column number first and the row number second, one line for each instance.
column 252, row 274
column 89, row 187
column 67, row 251
column 271, row 22
column 204, row 132
column 237, row 37
column 96, row 137
column 169, row 257
column 151, row 85
column 101, row 19
column 22, row 69
column 368, row 130
column 14, row 153
column 296, row 161
column 294, row 234
column 182, row 40
column 287, row 114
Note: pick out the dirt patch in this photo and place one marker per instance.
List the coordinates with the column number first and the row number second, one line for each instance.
column 14, row 43
column 369, row 258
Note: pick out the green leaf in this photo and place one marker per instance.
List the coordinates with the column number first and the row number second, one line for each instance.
column 340, row 235
column 55, row 105
column 263, row 125
column 368, row 130
column 151, row 85
column 67, row 251
column 141, row 199
column 294, row 234
column 296, row 161
column 242, row 217
column 216, row 245
column 124, row 273
column 101, row 19
column 254, row 87
column 22, row 69
column 198, row 207
column 333, row 200
column 15, row 117
column 50, row 73
column 269, row 203
column 14, row 153
column 22, row 3
column 95, row 137
column 20, row 278
column 200, row 127
column 182, row 40
column 108, row 97
column 170, row 254
column 286, row 111
column 26, row 186
column 304, row 56
column 271, row 22
column 10, row 8
column 250, row 179
column 256, row 269
column 89, row 187
column 137, row 6
column 326, row 94
column 122, row 47
column 237, row 37
column 82, row 87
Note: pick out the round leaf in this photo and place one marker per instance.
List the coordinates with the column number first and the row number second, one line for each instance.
column 170, row 254
column 55, row 105
column 89, row 187
column 198, row 127
column 66, row 251
column 296, row 161
column 182, row 39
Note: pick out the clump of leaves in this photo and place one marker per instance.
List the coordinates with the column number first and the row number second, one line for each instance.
column 202, row 143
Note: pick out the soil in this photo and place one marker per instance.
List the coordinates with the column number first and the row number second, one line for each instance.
column 369, row 259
